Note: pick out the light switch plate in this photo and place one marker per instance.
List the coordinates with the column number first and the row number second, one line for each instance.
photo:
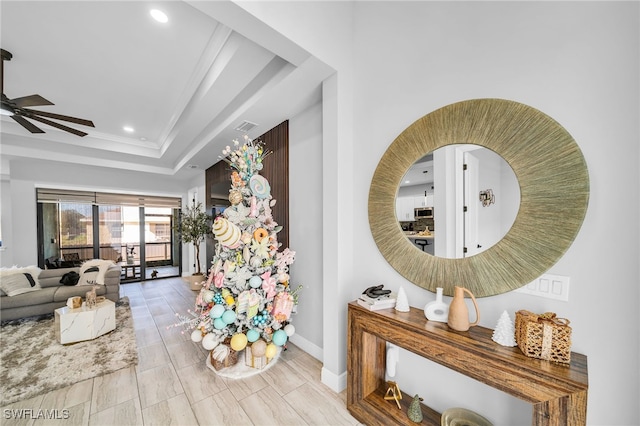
column 548, row 286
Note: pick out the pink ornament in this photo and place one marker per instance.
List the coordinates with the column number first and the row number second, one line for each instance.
column 268, row 284
column 218, row 281
column 253, row 209
column 282, row 306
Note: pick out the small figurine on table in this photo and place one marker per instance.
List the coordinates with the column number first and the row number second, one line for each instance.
column 393, row 392
column 415, row 410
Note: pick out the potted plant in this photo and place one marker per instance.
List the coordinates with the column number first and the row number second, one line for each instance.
column 195, row 226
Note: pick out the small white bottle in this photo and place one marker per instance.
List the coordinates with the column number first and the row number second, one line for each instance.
column 437, row 310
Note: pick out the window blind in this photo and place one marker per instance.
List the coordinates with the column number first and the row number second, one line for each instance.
column 48, row 195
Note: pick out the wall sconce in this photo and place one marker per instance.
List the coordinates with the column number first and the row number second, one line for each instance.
column 487, row 197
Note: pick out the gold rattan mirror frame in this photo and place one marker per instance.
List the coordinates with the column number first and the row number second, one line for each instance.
column 554, row 194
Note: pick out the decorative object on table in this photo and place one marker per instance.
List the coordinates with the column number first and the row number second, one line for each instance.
column 28, row 341
column 505, row 333
column 91, row 298
column 461, row 416
column 543, row 336
column 247, row 295
column 487, row 197
column 415, row 410
column 402, row 303
column 74, row 302
column 194, row 227
column 458, row 318
column 437, row 310
column 376, row 297
column 393, row 393
column 393, row 354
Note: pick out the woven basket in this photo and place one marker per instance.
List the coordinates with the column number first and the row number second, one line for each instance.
column 230, row 360
column 543, row 336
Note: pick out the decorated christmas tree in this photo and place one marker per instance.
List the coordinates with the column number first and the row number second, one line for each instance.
column 247, row 298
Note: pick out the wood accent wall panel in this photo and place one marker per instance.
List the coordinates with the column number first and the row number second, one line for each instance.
column 276, row 171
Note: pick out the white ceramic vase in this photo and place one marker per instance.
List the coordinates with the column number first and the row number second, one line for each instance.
column 437, row 310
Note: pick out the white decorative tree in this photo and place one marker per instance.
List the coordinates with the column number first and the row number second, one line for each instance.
column 504, row 333
column 402, row 303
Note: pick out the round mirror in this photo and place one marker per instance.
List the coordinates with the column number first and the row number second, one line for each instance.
column 457, row 201
column 554, row 194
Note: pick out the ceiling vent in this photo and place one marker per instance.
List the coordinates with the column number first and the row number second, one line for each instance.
column 245, row 126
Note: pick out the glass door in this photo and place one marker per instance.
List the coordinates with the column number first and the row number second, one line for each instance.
column 159, row 241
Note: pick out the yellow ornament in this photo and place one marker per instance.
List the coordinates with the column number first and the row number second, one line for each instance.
column 230, row 300
column 271, row 351
column 239, row 342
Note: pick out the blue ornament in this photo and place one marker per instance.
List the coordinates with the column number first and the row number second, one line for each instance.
column 216, row 311
column 252, row 335
column 217, row 298
column 218, row 324
column 279, row 338
column 228, row 316
column 255, row 281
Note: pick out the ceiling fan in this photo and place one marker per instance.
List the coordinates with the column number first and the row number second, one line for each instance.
column 16, row 109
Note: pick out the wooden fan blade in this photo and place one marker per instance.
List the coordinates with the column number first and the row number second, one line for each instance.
column 61, row 117
column 26, row 124
column 58, row 125
column 31, row 100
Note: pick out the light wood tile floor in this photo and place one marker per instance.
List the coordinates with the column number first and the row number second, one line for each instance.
column 171, row 385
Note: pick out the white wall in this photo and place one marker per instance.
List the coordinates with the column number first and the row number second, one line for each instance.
column 305, row 225
column 578, row 63
column 575, row 61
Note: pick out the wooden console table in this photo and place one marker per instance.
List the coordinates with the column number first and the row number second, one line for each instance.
column 557, row 392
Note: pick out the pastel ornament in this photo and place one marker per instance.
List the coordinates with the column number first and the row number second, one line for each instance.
column 239, row 341
column 229, row 317
column 282, row 306
column 255, row 281
column 268, row 284
column 253, row 335
column 259, row 186
column 216, row 311
column 253, row 208
column 227, row 233
column 243, row 302
column 271, row 351
column 219, row 324
column 289, row 329
column 255, row 262
column 279, row 338
column 196, row 336
column 218, row 280
column 235, row 197
column 209, row 342
column 259, row 348
column 207, row 296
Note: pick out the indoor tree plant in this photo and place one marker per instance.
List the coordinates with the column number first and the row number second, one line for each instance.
column 194, row 228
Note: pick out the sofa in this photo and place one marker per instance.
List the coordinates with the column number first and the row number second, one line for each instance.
column 52, row 294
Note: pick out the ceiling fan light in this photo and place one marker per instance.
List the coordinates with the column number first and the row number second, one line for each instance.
column 159, row 16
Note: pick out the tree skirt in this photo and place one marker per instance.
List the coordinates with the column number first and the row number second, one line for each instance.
column 240, row 370
column 32, row 362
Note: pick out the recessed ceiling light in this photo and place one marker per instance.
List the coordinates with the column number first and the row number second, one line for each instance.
column 128, row 129
column 159, row 16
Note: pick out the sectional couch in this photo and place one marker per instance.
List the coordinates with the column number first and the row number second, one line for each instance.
column 52, row 294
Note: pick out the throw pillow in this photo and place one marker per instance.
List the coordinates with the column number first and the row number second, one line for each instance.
column 103, row 267
column 89, row 276
column 70, row 278
column 14, row 284
column 34, row 271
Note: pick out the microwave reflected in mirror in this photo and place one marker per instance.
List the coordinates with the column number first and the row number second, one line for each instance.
column 454, row 178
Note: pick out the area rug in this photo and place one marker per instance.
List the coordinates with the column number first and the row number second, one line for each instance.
column 32, row 362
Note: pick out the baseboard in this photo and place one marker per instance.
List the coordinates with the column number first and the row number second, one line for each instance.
column 310, row 348
column 337, row 382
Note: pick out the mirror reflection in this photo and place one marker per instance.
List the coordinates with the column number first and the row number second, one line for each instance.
column 457, row 201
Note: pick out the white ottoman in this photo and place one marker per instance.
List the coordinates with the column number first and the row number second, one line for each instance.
column 76, row 325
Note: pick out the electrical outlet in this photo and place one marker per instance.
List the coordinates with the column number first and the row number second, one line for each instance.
column 548, row 286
